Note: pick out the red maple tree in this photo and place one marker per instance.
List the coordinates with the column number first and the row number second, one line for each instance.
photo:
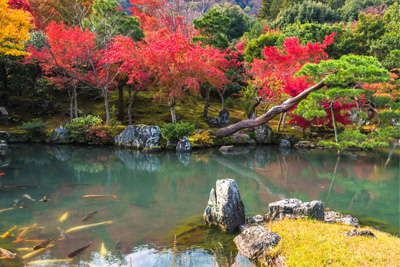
column 170, row 64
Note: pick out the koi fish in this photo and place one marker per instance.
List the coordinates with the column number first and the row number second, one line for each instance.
column 16, row 202
column 79, row 250
column 23, row 206
column 25, row 249
column 74, row 184
column 43, row 244
column 88, row 216
column 45, row 199
column 28, row 197
column 5, row 254
column 64, row 235
column 1, row 174
column 6, row 234
column 28, row 241
column 34, row 253
column 64, row 217
column 99, row 196
column 23, row 233
column 6, row 209
column 103, row 250
column 4, row 165
column 45, row 262
column 78, row 228
column 15, row 187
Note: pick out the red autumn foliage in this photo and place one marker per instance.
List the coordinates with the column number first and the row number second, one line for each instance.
column 20, row 4
column 170, row 64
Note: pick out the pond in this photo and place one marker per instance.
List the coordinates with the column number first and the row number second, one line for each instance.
column 160, row 198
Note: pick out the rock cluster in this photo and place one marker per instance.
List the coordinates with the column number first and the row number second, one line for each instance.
column 355, row 232
column 139, row 137
column 294, row 209
column 225, row 208
column 336, row 217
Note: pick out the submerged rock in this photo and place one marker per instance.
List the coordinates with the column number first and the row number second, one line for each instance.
column 336, row 217
column 226, row 148
column 355, row 232
column 139, row 136
column 294, row 209
column 225, row 208
column 255, row 242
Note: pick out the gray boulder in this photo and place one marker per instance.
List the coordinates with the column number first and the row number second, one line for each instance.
column 184, row 145
column 255, row 242
column 224, row 116
column 3, row 145
column 214, row 122
column 139, row 136
column 60, row 135
column 242, row 139
column 226, row 148
column 336, row 217
column 263, row 134
column 295, row 209
column 225, row 208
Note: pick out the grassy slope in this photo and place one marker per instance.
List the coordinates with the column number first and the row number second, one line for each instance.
column 313, row 243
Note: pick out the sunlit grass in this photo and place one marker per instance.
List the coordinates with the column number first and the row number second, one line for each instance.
column 314, row 243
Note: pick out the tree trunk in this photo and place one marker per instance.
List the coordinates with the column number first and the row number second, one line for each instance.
column 131, row 97
column 205, row 114
column 253, row 110
column 75, row 96
column 172, row 104
column 334, row 121
column 284, row 120
column 107, row 104
column 222, row 100
column 71, row 105
column 121, row 112
column 285, row 106
column 4, row 81
column 280, row 122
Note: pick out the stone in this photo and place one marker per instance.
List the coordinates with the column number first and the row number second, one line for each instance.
column 336, row 217
column 3, row 116
column 255, row 242
column 214, row 122
column 139, row 137
column 355, row 232
column 263, row 134
column 224, row 117
column 242, row 139
column 184, row 145
column 258, row 218
column 295, row 209
column 284, row 143
column 225, row 208
column 3, row 111
column 171, row 145
column 3, row 145
column 60, row 135
column 14, row 137
column 226, row 148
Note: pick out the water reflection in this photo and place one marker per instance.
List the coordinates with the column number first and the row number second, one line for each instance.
column 160, row 196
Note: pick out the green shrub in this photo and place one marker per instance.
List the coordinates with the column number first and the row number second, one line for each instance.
column 229, row 102
column 201, row 140
column 79, row 128
column 175, row 132
column 35, row 129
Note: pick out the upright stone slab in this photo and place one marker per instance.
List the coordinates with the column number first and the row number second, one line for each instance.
column 184, row 145
column 225, row 208
column 139, row 136
column 224, row 116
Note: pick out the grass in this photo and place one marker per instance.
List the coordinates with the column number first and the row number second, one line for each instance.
column 314, row 243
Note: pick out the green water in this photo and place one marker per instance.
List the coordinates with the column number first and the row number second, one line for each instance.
column 159, row 196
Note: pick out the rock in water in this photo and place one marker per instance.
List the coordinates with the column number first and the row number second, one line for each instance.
column 255, row 241
column 294, row 208
column 183, row 145
column 224, row 116
column 225, row 208
column 284, row 143
column 139, row 136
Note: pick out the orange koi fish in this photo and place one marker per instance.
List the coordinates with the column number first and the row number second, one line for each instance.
column 99, row 196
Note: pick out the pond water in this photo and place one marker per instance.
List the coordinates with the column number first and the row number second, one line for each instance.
column 160, row 196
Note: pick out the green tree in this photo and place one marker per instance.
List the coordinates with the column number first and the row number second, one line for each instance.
column 255, row 47
column 212, row 27
column 239, row 22
column 341, row 86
